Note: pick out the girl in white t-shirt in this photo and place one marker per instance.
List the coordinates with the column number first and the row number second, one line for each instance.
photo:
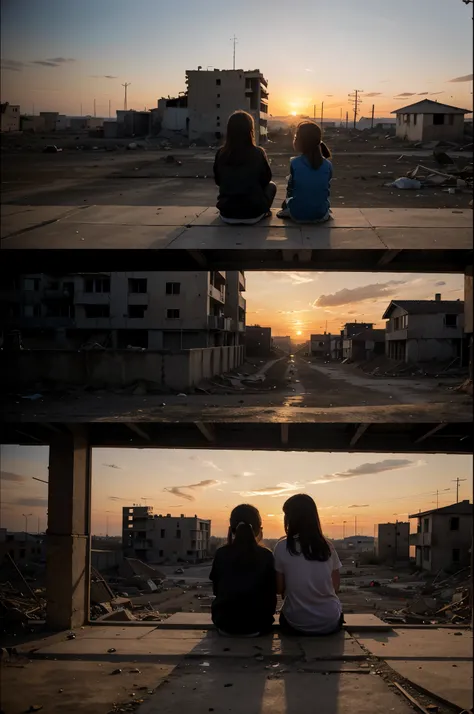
column 308, row 577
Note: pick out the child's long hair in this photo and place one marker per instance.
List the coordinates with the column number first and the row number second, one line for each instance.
column 245, row 526
column 302, row 523
column 240, row 136
column 308, row 142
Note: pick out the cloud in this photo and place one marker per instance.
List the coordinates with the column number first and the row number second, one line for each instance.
column 347, row 296
column 54, row 61
column 433, row 93
column 12, row 65
column 9, row 476
column 103, row 76
column 180, row 491
column 112, row 466
column 110, row 76
column 117, row 498
column 440, row 283
column 359, row 505
column 308, row 70
column 329, row 95
column 278, row 490
column 243, row 474
column 376, row 467
column 406, row 94
column 33, row 501
column 422, row 94
column 373, row 94
column 300, row 278
column 464, row 78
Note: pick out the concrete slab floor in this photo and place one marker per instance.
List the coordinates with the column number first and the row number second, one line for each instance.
column 449, row 681
column 422, row 644
column 217, row 689
column 63, row 687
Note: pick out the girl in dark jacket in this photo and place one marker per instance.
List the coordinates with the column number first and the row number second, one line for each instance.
column 244, row 578
column 243, row 174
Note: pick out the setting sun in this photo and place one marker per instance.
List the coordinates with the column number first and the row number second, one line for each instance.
column 293, row 114
column 299, row 332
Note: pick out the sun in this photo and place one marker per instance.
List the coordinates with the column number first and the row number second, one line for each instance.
column 293, row 114
column 299, row 333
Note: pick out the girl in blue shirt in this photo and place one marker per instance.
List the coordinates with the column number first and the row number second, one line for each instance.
column 307, row 196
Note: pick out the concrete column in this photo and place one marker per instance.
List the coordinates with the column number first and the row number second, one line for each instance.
column 68, row 534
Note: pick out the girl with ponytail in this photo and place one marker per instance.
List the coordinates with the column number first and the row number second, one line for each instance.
column 243, row 577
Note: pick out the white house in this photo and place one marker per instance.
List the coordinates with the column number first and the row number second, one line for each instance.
column 430, row 121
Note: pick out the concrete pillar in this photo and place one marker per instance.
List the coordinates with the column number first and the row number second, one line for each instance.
column 68, row 534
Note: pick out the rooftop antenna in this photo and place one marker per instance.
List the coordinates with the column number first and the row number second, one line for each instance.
column 125, row 85
column 234, row 42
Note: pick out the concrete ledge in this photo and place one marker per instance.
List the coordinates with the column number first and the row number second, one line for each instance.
column 176, row 237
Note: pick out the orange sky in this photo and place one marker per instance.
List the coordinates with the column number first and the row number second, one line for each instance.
column 372, row 487
column 307, row 302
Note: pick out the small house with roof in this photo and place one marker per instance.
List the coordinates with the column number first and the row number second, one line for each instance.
column 443, row 538
column 430, row 121
column 425, row 330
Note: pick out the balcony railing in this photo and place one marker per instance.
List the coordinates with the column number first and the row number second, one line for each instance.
column 46, row 323
column 216, row 322
column 421, row 538
column 241, row 326
column 83, row 298
column 217, row 294
column 242, row 281
column 58, row 294
column 242, row 302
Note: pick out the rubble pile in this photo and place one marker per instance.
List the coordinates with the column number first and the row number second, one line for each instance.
column 446, row 600
column 21, row 607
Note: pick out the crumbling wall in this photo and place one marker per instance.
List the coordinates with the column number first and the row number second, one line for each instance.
column 108, row 369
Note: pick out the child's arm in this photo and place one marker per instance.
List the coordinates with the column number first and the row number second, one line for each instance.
column 289, row 187
column 266, row 172
column 216, row 170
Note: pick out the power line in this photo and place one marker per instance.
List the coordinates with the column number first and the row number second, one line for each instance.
column 125, row 85
column 356, row 101
column 457, row 481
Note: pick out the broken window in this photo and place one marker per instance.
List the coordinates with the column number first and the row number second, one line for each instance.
column 137, row 310
column 161, row 553
column 438, row 119
column 92, row 311
column 218, row 82
column 173, row 288
column 415, row 116
column 218, row 106
column 456, row 555
column 451, row 320
column 172, row 314
column 426, row 525
column 454, row 523
column 137, row 285
column 162, row 533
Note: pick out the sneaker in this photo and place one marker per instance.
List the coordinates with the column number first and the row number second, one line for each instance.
column 284, row 213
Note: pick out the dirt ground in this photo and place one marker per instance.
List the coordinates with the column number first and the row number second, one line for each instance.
column 142, row 177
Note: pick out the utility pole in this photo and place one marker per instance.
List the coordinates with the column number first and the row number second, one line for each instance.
column 340, row 118
column 356, row 101
column 125, row 85
column 322, row 116
column 234, row 42
column 107, row 524
column 343, row 529
column 26, row 516
column 109, row 108
column 94, row 108
column 81, row 111
column 372, row 121
column 355, row 525
column 314, row 112
column 347, row 120
column 457, row 482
